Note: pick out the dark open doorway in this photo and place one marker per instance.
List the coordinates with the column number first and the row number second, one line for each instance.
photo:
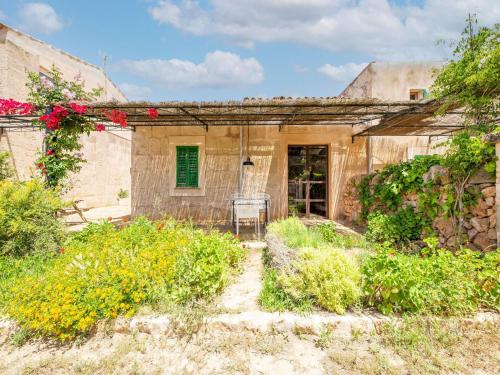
column 308, row 181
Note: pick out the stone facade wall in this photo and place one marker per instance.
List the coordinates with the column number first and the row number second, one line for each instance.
column 393, row 81
column 153, row 168
column 479, row 227
column 108, row 154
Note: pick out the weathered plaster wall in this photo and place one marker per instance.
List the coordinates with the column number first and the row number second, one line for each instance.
column 108, row 154
column 393, row 81
column 153, row 168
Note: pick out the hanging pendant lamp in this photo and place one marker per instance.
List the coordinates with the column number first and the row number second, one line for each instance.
column 248, row 162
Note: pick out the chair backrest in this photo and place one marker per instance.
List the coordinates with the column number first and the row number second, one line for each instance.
column 250, row 211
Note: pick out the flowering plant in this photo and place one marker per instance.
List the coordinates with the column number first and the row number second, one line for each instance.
column 62, row 108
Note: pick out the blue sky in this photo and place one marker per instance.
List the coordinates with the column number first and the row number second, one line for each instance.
column 230, row 49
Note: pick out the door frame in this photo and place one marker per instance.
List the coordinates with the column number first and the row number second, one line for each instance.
column 327, row 179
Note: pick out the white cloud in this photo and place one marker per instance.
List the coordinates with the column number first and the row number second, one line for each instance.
column 2, row 15
column 381, row 28
column 135, row 92
column 342, row 73
column 40, row 17
column 218, row 69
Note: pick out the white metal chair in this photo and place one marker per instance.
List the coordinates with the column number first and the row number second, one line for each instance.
column 247, row 211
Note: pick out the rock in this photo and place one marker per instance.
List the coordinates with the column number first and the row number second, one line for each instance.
column 452, row 242
column 480, row 209
column 482, row 177
column 493, row 221
column 482, row 241
column 490, row 201
column 489, row 191
column 481, row 225
column 444, row 226
column 492, row 234
column 467, row 225
column 122, row 325
column 472, row 233
column 490, row 211
column 437, row 174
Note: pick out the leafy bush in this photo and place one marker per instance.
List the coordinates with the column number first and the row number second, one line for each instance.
column 27, row 218
column 105, row 272
column 441, row 283
column 402, row 227
column 295, row 233
column 274, row 298
column 5, row 169
column 324, row 275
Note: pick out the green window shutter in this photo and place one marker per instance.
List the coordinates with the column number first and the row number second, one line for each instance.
column 187, row 166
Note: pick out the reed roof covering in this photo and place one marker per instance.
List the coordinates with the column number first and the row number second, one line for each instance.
column 367, row 116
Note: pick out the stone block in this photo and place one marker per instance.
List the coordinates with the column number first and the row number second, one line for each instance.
column 493, row 221
column 492, row 234
column 490, row 201
column 444, row 226
column 472, row 233
column 481, row 225
column 489, row 191
column 483, row 241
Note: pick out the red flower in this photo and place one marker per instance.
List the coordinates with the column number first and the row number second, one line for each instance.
column 50, row 152
column 13, row 107
column 53, row 119
column 153, row 113
column 80, row 109
column 117, row 117
column 40, row 165
column 100, row 127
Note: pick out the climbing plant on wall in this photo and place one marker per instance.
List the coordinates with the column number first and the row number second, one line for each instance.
column 471, row 80
column 60, row 109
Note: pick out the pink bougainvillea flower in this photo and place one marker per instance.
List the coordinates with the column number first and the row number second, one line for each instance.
column 153, row 113
column 100, row 127
column 50, row 152
column 80, row 109
column 68, row 94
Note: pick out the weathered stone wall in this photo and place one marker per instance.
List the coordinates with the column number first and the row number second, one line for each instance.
column 393, row 81
column 479, row 227
column 153, row 168
column 108, row 154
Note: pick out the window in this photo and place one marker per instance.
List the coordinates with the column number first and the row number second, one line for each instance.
column 418, row 94
column 187, row 166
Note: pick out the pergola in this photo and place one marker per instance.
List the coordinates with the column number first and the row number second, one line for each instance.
column 368, row 117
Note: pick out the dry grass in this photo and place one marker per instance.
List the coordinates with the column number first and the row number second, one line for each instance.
column 416, row 346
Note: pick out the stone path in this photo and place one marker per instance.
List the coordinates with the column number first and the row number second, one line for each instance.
column 243, row 294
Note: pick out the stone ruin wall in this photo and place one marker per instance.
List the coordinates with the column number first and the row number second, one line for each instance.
column 480, row 222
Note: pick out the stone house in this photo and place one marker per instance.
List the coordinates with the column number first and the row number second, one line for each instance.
column 108, row 153
column 304, row 151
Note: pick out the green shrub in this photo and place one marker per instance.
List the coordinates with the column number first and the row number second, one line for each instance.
column 295, row 233
column 324, row 275
column 5, row 169
column 274, row 298
column 105, row 272
column 27, row 218
column 329, row 234
column 399, row 228
column 441, row 283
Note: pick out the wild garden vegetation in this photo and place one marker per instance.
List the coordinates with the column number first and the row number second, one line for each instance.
column 326, row 275
column 103, row 272
column 471, row 80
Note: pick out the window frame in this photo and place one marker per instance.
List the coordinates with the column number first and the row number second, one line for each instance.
column 191, row 182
